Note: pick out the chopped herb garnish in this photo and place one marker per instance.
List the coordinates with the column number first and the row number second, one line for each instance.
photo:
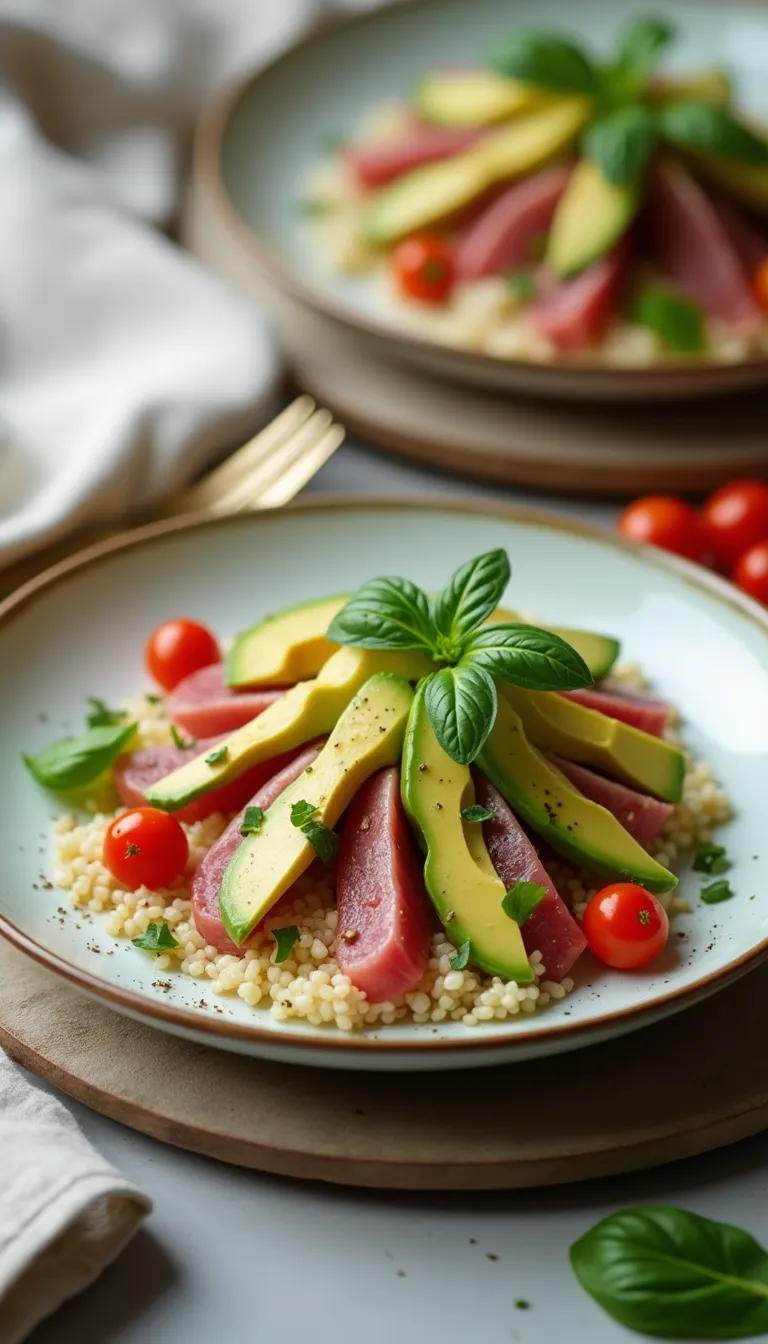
column 183, row 743
column 302, row 812
column 101, row 716
column 253, row 820
column 156, row 938
column 521, row 285
column 131, row 850
column 717, row 892
column 218, row 754
column 522, row 899
column 521, row 1304
column 711, row 859
column 476, row 812
column 324, row 841
column 461, row 958
column 285, row 939
column 151, row 698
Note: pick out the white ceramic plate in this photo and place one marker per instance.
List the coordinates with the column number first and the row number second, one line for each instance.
column 80, row 630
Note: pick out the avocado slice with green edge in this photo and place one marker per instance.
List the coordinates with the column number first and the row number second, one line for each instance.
column 591, row 216
column 459, row 876
column 287, row 647
column 598, row 651
column 368, row 737
column 747, row 182
column 438, row 190
column 541, row 796
column 467, row 98
column 588, row 737
column 307, row 710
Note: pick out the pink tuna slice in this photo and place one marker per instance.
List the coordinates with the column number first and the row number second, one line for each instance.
column 206, row 883
column 637, row 708
column 750, row 243
column 642, row 816
column 138, row 770
column 380, row 894
column 551, row 929
column 695, row 249
column 502, row 236
column 573, row 314
column 202, row 705
column 376, row 164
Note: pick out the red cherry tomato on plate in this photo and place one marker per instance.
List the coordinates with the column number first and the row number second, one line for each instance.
column 760, row 284
column 751, row 572
column 146, row 848
column 625, row 926
column 424, row 267
column 178, row 648
column 735, row 517
column 663, row 520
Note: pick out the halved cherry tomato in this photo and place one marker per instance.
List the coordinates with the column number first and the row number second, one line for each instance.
column 178, row 648
column 760, row 284
column 625, row 926
column 751, row 572
column 735, row 517
column 424, row 267
column 146, row 848
column 664, row 520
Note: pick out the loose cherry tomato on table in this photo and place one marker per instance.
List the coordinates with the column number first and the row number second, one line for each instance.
column 178, row 648
column 146, row 848
column 424, row 267
column 751, row 572
column 760, row 284
column 735, row 517
column 663, row 520
column 625, row 926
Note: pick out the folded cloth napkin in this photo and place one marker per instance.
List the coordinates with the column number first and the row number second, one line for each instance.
column 65, row 1213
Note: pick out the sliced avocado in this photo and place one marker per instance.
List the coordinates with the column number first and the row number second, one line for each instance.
column 438, row 190
column 305, row 711
column 472, row 97
column 367, row 737
column 580, row 830
column 747, row 182
column 705, row 86
column 591, row 216
column 285, row 648
column 459, row 877
column 584, row 735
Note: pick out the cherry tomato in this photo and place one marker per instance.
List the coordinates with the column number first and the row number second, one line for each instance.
column 760, row 284
column 625, row 926
column 146, row 848
column 424, row 267
column 735, row 517
column 751, row 572
column 663, row 520
column 178, row 648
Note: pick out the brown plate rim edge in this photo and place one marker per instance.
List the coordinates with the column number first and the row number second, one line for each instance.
column 189, row 1020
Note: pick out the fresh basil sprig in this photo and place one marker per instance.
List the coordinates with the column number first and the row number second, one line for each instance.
column 77, row 761
column 671, row 1273
column 708, row 129
column 622, row 144
column 546, row 60
column 385, row 614
column 470, row 596
column 535, row 659
column 461, row 704
column 637, row 54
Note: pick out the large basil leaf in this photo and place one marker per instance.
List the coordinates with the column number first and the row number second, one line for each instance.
column 385, row 614
column 667, row 1272
column 678, row 322
column 641, row 45
column 461, row 705
column 77, row 761
column 540, row 58
column 535, row 659
column 711, row 130
column 471, row 594
column 621, row 144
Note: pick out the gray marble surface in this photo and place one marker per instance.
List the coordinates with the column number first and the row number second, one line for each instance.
column 232, row 1256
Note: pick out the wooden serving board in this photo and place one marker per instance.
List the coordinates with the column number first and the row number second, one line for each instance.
column 696, row 1082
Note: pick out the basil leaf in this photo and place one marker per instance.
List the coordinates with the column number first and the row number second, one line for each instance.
column 286, row 938
column 101, row 716
column 302, row 812
column 476, row 812
column 678, row 322
column 461, row 706
column 522, row 899
column 470, row 596
column 641, row 45
column 537, row 660
column 385, row 614
column 324, row 842
column 253, row 820
column 711, row 859
column 183, row 743
column 717, row 892
column 711, row 130
column 156, row 938
column 461, row 958
column 622, row 143
column 664, row 1271
column 540, row 58
column 77, row 761
column 521, row 285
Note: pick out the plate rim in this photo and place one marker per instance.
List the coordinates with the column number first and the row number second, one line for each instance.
column 207, row 146
column 186, row 1019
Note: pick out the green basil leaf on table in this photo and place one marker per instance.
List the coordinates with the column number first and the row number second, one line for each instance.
column 470, row 596
column 708, row 129
column 101, row 716
column 460, row 959
column 674, row 1274
column 286, row 938
column 476, row 812
column 77, row 761
column 535, row 659
column 387, row 613
column 622, row 144
column 551, row 62
column 156, row 938
column 461, row 705
column 678, row 322
column 522, row 899
column 640, row 47
column 324, row 842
